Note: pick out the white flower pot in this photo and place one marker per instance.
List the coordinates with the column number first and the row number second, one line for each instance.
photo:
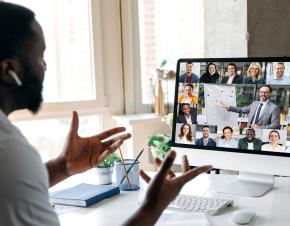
column 104, row 175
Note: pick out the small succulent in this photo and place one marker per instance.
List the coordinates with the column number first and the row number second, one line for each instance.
column 109, row 161
column 160, row 142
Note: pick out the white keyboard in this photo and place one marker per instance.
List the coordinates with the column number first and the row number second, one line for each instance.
column 199, row 204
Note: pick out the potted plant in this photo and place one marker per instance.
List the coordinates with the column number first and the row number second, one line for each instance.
column 105, row 169
column 159, row 145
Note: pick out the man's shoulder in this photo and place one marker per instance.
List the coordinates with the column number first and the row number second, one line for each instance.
column 182, row 78
column 284, row 81
column 258, row 141
column 194, row 77
column 242, row 140
column 199, row 140
column 272, row 105
column 211, row 140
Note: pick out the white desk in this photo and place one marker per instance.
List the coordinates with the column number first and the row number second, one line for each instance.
column 271, row 209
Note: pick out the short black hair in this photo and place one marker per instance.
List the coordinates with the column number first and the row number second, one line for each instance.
column 268, row 86
column 232, row 64
column 15, row 27
column 281, row 64
column 205, row 126
column 251, row 129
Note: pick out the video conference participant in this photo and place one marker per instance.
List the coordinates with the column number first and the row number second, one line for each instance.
column 188, row 96
column 279, row 78
column 232, row 77
column 227, row 140
column 211, row 75
column 185, row 135
column 250, row 142
column 24, row 178
column 205, row 140
column 254, row 74
column 187, row 114
column 188, row 77
column 273, row 144
column 261, row 114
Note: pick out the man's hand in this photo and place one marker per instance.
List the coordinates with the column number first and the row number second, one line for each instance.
column 82, row 153
column 165, row 186
column 224, row 105
column 163, row 189
column 255, row 126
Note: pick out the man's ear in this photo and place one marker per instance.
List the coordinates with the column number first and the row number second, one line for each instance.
column 6, row 66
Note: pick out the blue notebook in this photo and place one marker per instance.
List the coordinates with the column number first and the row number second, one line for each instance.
column 83, row 194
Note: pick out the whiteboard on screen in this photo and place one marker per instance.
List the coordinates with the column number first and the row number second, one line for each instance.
column 214, row 95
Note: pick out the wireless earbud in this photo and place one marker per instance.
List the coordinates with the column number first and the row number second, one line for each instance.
column 15, row 77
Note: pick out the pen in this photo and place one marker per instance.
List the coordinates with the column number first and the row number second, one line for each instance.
column 135, row 161
column 124, row 167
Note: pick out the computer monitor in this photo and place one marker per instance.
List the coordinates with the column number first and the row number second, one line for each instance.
column 234, row 113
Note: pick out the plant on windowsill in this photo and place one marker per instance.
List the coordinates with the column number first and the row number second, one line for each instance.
column 105, row 169
column 159, row 145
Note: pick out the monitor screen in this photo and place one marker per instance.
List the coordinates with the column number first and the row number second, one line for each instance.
column 233, row 105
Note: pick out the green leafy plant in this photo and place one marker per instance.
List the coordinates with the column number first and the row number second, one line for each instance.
column 109, row 161
column 160, row 143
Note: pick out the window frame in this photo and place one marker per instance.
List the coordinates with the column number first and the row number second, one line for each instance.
column 131, row 58
column 87, row 107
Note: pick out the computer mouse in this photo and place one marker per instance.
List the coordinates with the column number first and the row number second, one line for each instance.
column 242, row 216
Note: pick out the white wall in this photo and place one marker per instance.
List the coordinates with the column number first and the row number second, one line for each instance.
column 225, row 28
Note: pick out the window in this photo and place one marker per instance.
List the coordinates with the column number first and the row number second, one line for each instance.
column 66, row 26
column 48, row 135
column 71, row 83
column 169, row 30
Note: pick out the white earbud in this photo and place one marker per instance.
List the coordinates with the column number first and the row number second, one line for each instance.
column 15, row 77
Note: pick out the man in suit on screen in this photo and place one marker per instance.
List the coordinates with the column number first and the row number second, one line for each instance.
column 262, row 114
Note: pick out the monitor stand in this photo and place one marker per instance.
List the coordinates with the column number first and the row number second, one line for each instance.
column 249, row 184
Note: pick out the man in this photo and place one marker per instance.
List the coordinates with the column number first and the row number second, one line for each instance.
column 250, row 142
column 261, row 114
column 205, row 140
column 188, row 77
column 232, row 77
column 24, row 179
column 279, row 78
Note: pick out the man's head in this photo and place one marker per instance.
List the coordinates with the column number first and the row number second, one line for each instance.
column 231, row 69
column 188, row 68
column 21, row 51
column 265, row 92
column 251, row 134
column 279, row 70
column 205, row 131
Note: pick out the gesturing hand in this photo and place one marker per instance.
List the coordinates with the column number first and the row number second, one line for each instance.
column 83, row 153
column 164, row 187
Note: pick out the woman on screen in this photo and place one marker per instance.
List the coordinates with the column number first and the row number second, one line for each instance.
column 273, row 144
column 187, row 114
column 188, row 96
column 211, row 75
column 185, row 135
column 254, row 74
column 227, row 141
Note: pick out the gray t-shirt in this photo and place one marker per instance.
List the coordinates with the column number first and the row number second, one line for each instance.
column 23, row 181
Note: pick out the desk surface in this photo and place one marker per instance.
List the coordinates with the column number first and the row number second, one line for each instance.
column 271, row 210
